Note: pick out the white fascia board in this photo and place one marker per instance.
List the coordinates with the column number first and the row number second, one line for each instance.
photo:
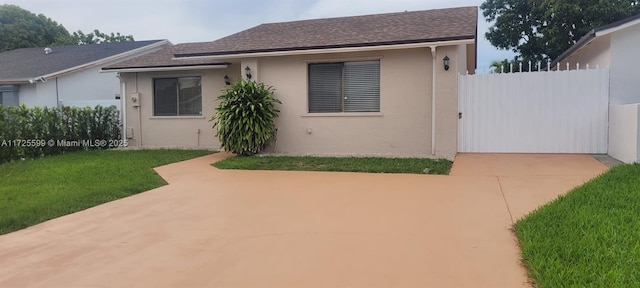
column 617, row 28
column 330, row 50
column 105, row 60
column 159, row 69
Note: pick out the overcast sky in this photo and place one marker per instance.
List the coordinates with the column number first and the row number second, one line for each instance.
column 208, row 20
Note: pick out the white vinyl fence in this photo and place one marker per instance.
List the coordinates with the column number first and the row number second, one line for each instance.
column 534, row 112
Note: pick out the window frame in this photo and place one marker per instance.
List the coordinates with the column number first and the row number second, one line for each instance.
column 343, row 99
column 177, row 96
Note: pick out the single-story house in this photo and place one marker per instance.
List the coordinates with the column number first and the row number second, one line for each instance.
column 66, row 75
column 382, row 85
column 614, row 46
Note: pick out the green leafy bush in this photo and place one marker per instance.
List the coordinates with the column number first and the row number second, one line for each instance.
column 245, row 117
column 36, row 132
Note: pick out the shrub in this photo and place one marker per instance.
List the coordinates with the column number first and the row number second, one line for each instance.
column 245, row 117
column 28, row 132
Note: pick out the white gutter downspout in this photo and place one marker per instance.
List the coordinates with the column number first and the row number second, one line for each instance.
column 123, row 103
column 139, row 115
column 433, row 101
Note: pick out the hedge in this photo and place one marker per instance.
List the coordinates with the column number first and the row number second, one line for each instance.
column 37, row 132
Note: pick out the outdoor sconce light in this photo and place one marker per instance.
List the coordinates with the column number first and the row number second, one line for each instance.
column 446, row 62
column 227, row 81
column 247, row 72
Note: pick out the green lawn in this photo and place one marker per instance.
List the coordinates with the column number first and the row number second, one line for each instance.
column 588, row 238
column 33, row 191
column 348, row 164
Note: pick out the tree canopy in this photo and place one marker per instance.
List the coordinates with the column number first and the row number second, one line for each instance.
column 540, row 30
column 19, row 28
column 97, row 37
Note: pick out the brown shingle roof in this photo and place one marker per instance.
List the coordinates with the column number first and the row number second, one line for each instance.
column 162, row 58
column 356, row 31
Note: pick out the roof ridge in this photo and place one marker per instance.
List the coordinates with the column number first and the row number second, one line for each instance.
column 88, row 45
column 368, row 15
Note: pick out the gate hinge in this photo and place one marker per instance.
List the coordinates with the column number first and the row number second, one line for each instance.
column 459, row 115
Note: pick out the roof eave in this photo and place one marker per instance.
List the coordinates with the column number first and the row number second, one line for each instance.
column 616, row 26
column 105, row 60
column 165, row 68
column 14, row 81
column 595, row 33
column 581, row 43
column 327, row 49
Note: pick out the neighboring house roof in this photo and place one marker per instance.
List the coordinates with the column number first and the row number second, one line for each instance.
column 163, row 60
column 595, row 33
column 429, row 26
column 21, row 65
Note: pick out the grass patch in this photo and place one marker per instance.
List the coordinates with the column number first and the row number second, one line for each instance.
column 588, row 238
column 350, row 164
column 33, row 191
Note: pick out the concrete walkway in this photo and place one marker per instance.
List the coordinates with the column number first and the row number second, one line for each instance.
column 215, row 228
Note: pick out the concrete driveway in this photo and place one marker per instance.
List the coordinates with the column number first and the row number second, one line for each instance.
column 215, row 228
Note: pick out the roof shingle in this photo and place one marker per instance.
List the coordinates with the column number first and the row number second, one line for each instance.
column 356, row 31
column 27, row 63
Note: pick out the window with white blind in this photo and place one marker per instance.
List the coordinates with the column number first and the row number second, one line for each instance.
column 344, row 87
column 177, row 96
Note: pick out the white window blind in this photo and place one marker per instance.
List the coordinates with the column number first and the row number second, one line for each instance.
column 344, row 87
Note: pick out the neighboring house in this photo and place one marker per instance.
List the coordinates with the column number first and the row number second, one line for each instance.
column 66, row 75
column 615, row 46
column 363, row 85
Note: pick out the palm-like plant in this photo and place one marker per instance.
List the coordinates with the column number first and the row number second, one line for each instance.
column 245, row 117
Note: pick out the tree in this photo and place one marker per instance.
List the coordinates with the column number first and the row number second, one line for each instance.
column 98, row 37
column 500, row 66
column 540, row 30
column 246, row 117
column 20, row 28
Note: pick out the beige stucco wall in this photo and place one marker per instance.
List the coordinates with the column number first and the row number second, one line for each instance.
column 624, row 132
column 624, row 66
column 191, row 131
column 401, row 128
column 596, row 54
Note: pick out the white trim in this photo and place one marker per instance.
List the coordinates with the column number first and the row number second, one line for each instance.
column 341, row 59
column 434, row 54
column 344, row 114
column 105, row 60
column 157, row 69
column 330, row 50
column 617, row 28
column 176, row 117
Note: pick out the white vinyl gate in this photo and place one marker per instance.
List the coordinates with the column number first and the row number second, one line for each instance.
column 536, row 112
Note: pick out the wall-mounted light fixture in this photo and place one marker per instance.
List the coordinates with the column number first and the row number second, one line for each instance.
column 445, row 61
column 227, row 81
column 247, row 72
